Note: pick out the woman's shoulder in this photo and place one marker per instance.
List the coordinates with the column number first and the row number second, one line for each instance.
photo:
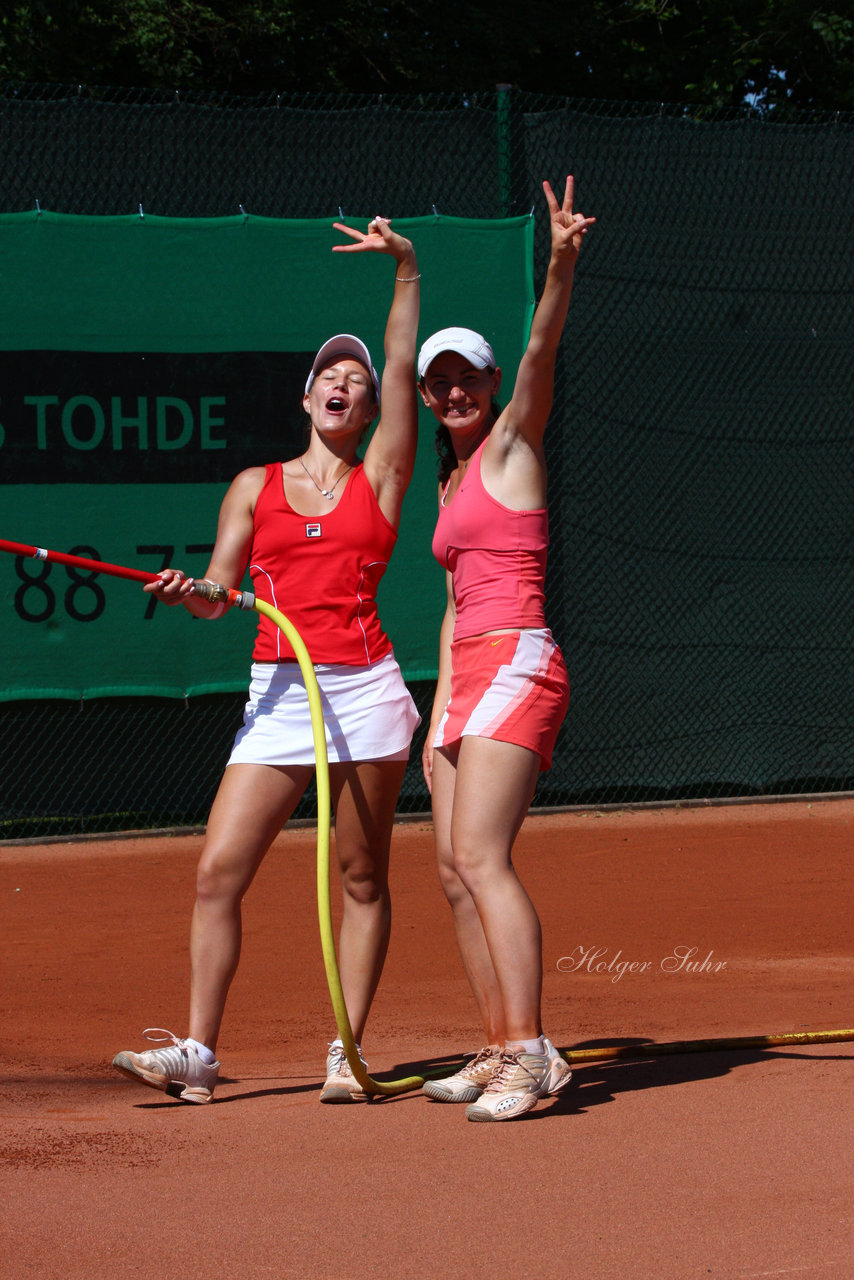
column 255, row 475
column 249, row 483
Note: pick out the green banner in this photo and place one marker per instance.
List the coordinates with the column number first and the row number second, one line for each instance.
column 146, row 361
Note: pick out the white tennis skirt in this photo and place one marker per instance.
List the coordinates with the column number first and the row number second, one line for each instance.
column 368, row 714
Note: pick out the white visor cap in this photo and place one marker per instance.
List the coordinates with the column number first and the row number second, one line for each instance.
column 468, row 344
column 343, row 345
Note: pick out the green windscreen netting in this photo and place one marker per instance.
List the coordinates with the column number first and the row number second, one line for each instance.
column 700, row 447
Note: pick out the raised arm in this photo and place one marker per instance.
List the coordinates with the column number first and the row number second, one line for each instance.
column 528, row 411
column 390, row 456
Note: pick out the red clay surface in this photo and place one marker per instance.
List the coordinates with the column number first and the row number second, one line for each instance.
column 729, row 1163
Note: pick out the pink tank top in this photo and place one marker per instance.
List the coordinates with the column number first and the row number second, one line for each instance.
column 497, row 558
column 322, row 573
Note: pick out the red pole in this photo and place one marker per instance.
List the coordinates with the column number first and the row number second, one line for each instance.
column 207, row 590
column 80, row 562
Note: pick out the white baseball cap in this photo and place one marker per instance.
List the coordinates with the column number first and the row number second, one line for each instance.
column 343, row 344
column 468, row 344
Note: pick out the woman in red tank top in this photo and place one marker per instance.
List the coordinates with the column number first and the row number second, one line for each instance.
column 316, row 531
column 502, row 690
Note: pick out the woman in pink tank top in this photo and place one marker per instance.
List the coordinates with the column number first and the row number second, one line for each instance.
column 502, row 690
column 315, row 532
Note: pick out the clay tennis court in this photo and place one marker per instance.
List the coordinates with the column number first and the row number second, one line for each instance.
column 730, row 1163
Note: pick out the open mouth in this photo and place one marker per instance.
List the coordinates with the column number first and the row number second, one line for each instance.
column 335, row 404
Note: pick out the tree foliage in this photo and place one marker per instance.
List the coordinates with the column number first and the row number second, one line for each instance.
column 718, row 52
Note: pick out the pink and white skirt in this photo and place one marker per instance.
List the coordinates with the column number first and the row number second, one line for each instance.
column 512, row 687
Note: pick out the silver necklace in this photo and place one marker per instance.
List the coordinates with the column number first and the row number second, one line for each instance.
column 327, row 493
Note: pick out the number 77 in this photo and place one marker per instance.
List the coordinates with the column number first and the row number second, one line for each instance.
column 168, row 555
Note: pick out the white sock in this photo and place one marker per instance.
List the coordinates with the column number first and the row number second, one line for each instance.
column 207, row 1056
column 528, row 1046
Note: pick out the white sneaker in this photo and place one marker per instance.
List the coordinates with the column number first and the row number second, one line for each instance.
column 177, row 1070
column 341, row 1085
column 469, row 1083
column 561, row 1074
column 518, row 1083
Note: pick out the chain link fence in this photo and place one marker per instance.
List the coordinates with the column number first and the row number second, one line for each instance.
column 700, row 448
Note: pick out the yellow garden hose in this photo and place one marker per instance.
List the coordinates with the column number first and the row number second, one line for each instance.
column 573, row 1056
column 719, row 1045
column 246, row 600
column 333, row 978
column 324, row 905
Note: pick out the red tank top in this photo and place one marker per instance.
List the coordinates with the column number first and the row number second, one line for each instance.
column 321, row 573
column 497, row 558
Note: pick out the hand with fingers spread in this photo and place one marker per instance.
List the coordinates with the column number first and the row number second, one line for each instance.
column 379, row 238
column 568, row 228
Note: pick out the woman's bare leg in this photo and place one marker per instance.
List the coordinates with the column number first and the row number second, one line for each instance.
column 253, row 803
column 364, row 798
column 493, row 790
column 471, row 939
